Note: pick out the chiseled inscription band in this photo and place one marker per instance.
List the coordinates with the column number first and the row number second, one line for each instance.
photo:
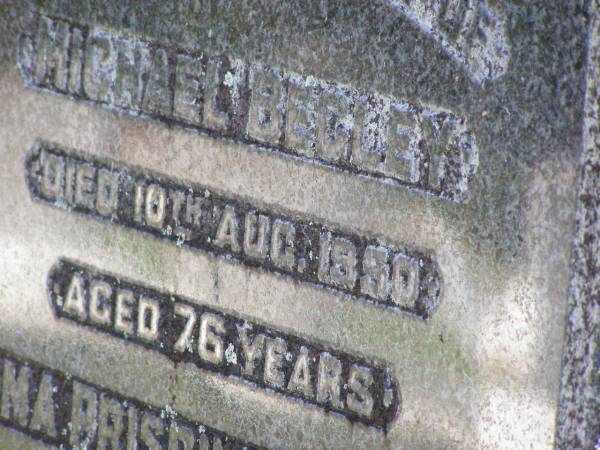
column 68, row 412
column 398, row 278
column 187, row 331
column 318, row 121
column 472, row 32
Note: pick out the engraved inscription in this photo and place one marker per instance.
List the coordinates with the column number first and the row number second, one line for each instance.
column 472, row 32
column 184, row 330
column 68, row 412
column 313, row 120
column 395, row 277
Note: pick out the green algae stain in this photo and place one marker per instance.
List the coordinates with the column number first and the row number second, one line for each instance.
column 146, row 254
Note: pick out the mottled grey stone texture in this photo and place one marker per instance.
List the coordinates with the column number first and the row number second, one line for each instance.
column 579, row 414
column 476, row 361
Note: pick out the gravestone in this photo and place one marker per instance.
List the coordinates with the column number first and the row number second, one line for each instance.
column 301, row 224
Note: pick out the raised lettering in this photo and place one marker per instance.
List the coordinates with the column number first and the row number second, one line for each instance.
column 210, row 345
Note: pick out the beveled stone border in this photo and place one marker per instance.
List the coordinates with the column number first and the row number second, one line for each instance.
column 578, row 419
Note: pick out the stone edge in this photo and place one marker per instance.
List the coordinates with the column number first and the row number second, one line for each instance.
column 578, row 421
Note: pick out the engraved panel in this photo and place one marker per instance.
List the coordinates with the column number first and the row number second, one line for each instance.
column 223, row 343
column 472, row 32
column 398, row 278
column 400, row 143
column 59, row 409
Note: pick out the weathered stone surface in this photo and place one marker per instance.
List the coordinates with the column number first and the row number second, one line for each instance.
column 304, row 224
column 579, row 414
